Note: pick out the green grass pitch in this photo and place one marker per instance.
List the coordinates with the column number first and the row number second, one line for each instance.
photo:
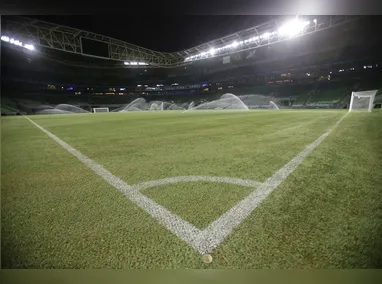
column 56, row 213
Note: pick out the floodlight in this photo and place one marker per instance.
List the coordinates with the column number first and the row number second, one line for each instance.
column 5, row 38
column 235, row 44
column 29, row 46
column 292, row 27
column 265, row 35
column 212, row 51
column 315, row 21
column 17, row 42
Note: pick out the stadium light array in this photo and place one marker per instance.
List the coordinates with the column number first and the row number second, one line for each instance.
column 17, row 42
column 289, row 29
column 293, row 28
column 133, row 63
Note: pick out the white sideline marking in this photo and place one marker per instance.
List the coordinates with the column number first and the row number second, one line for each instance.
column 204, row 241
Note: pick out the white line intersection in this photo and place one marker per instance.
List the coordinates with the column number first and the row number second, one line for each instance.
column 208, row 239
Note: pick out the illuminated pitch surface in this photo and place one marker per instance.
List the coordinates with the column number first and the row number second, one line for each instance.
column 56, row 213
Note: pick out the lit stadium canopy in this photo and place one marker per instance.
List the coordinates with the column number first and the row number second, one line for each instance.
column 39, row 33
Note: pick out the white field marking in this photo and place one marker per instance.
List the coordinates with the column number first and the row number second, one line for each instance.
column 204, row 241
column 218, row 230
column 159, row 182
column 173, row 223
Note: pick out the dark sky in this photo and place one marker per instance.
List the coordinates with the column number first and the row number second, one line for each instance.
column 160, row 33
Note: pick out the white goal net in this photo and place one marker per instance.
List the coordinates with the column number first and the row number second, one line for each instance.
column 362, row 101
column 100, row 109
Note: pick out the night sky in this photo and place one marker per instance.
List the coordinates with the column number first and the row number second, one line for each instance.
column 160, row 33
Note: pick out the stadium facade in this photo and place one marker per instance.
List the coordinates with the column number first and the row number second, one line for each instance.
column 319, row 69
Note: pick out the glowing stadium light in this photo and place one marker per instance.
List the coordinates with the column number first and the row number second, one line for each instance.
column 265, row 36
column 315, row 21
column 17, row 42
column 122, row 89
column 5, row 38
column 293, row 27
column 29, row 46
column 134, row 63
column 289, row 29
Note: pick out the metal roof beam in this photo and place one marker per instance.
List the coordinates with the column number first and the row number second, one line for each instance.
column 67, row 39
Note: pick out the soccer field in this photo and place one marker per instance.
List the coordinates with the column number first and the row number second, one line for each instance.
column 254, row 189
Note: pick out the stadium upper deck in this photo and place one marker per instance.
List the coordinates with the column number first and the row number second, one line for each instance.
column 30, row 33
column 317, row 53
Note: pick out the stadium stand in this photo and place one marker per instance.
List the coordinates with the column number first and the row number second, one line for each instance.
column 330, row 93
column 297, row 73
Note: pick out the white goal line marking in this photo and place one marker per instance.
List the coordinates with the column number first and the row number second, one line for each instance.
column 206, row 240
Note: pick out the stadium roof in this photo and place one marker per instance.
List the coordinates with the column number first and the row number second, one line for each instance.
column 160, row 33
column 34, row 32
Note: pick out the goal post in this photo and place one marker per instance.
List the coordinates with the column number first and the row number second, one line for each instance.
column 362, row 101
column 100, row 109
